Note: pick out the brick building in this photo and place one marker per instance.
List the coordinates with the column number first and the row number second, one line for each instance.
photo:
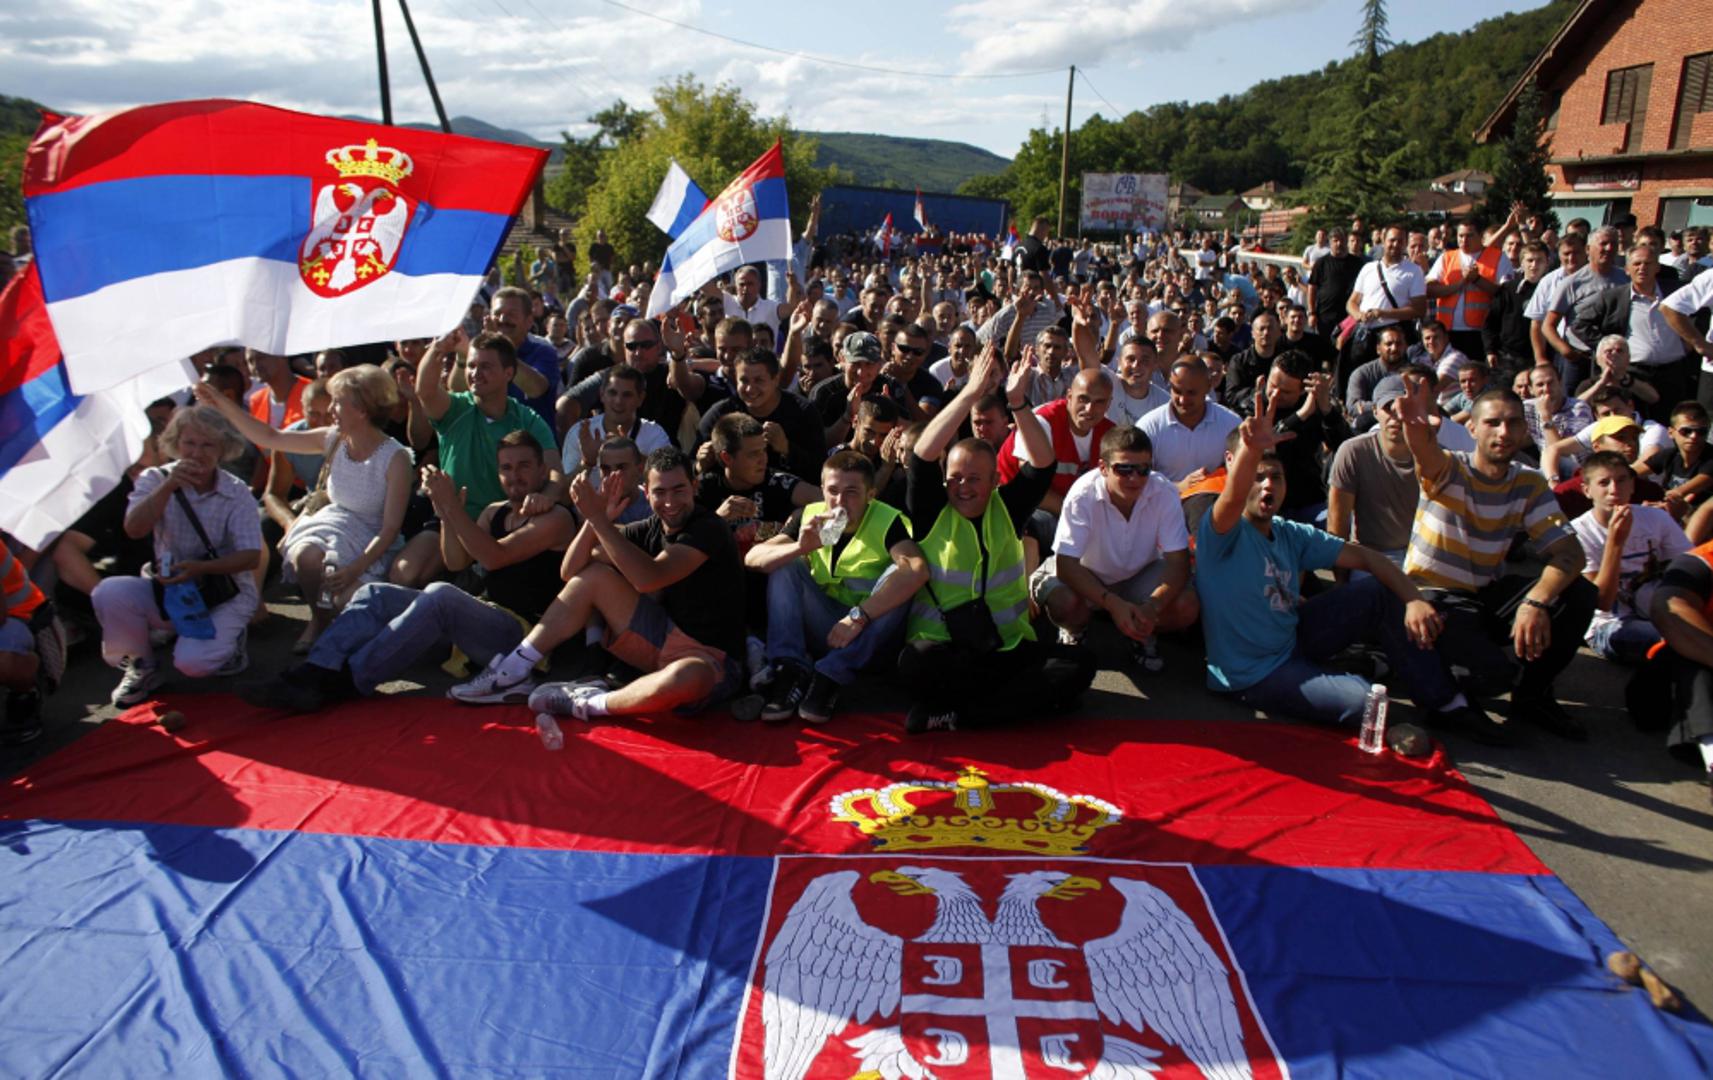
column 1628, row 90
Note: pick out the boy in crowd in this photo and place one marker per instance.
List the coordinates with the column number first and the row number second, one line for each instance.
column 1627, row 548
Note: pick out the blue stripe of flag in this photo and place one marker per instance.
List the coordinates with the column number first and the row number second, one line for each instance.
column 28, row 412
column 99, row 235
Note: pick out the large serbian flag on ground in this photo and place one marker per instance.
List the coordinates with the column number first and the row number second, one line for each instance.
column 411, row 888
column 165, row 229
column 748, row 222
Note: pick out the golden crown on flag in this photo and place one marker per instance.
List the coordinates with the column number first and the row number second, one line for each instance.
column 366, row 160
column 974, row 812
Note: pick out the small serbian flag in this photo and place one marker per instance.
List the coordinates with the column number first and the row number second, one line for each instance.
column 165, row 229
column 678, row 202
column 921, row 214
column 1010, row 241
column 749, row 222
column 885, row 236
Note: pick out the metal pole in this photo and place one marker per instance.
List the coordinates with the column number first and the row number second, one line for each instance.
column 381, row 59
column 427, row 75
column 1065, row 147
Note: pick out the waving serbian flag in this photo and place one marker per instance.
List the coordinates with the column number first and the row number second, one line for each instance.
column 750, row 221
column 59, row 451
column 884, row 236
column 165, row 229
column 921, row 213
column 396, row 889
column 678, row 202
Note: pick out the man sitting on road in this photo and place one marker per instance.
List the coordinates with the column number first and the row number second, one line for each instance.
column 668, row 591
column 384, row 629
column 844, row 602
column 1120, row 547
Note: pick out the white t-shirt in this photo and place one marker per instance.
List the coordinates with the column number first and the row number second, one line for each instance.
column 764, row 313
column 1655, row 539
column 1541, row 302
column 1691, row 299
column 1655, row 437
column 1315, row 253
column 1405, row 279
column 941, row 370
column 649, row 437
column 1454, row 437
column 1127, row 410
column 1112, row 547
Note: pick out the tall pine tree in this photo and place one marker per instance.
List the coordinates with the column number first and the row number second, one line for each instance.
column 1362, row 175
column 1521, row 175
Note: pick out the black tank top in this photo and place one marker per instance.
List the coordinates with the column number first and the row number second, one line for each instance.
column 526, row 587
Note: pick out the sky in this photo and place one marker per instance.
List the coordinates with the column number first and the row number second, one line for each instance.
column 542, row 66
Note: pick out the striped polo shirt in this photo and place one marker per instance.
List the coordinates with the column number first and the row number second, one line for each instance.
column 1465, row 523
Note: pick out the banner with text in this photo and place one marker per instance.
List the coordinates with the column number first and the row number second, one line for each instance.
column 1123, row 202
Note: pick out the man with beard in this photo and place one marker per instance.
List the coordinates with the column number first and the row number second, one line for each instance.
column 1473, row 506
column 669, row 590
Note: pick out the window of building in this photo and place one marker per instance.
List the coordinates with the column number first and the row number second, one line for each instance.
column 1694, row 95
column 1554, row 101
column 1627, row 101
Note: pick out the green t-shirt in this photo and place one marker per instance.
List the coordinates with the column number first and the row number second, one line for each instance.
column 470, row 445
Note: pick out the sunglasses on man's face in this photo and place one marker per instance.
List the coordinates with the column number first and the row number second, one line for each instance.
column 638, row 346
column 1692, row 432
column 910, row 350
column 1126, row 469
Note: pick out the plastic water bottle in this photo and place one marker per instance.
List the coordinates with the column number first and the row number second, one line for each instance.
column 548, row 728
column 325, row 600
column 1374, row 708
column 833, row 526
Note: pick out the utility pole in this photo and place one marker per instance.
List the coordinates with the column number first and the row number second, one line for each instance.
column 1065, row 146
column 381, row 57
column 422, row 58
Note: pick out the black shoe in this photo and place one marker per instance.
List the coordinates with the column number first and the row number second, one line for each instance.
column 784, row 693
column 23, row 722
column 1546, row 712
column 820, row 700
column 923, row 719
column 1476, row 724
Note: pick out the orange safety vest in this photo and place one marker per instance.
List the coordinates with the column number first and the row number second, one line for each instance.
column 1475, row 301
column 261, row 403
column 1705, row 553
column 19, row 597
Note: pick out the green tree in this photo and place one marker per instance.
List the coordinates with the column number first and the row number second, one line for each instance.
column 714, row 134
column 1520, row 174
column 1361, row 174
column 615, row 124
column 11, row 183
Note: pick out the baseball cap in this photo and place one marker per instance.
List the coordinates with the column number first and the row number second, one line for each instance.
column 1390, row 388
column 1615, row 424
column 863, row 346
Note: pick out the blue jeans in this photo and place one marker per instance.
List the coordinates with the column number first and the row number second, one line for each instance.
column 387, row 628
column 800, row 614
column 1625, row 641
column 1363, row 611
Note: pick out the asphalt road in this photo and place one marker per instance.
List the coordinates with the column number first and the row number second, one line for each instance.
column 1624, row 824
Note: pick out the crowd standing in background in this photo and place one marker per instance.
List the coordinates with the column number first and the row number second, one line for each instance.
column 1456, row 455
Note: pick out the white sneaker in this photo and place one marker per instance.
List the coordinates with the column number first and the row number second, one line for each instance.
column 562, row 698
column 136, row 684
column 1147, row 654
column 488, row 688
column 1069, row 637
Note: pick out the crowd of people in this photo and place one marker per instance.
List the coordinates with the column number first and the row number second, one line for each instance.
column 1455, row 456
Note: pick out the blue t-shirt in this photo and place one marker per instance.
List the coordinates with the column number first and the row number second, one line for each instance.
column 540, row 354
column 1250, row 631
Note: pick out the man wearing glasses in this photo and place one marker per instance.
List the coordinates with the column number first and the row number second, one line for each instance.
column 1120, row 548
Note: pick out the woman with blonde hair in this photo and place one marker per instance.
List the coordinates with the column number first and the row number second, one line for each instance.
column 351, row 540
column 205, row 527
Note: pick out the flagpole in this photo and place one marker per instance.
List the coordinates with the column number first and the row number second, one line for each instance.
column 427, row 75
column 1065, row 150
column 381, row 60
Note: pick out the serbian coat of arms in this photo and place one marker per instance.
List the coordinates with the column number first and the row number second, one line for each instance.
column 902, row 965
column 357, row 221
column 735, row 215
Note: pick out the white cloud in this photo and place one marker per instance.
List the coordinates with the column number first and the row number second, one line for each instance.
column 1018, row 35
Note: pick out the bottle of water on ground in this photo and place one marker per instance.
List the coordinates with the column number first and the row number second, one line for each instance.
column 1373, row 739
column 552, row 736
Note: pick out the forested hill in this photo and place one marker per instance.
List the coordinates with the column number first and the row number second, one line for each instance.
column 1447, row 85
column 893, row 161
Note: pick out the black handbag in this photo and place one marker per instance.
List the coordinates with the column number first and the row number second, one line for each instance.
column 215, row 589
column 970, row 624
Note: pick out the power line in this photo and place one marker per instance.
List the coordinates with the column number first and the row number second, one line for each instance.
column 824, row 59
column 1118, row 113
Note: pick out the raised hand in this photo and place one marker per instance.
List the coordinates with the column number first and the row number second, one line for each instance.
column 1022, row 375
column 617, row 493
column 1258, row 433
column 587, row 499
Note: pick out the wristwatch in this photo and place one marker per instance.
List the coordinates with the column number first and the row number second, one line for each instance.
column 857, row 615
